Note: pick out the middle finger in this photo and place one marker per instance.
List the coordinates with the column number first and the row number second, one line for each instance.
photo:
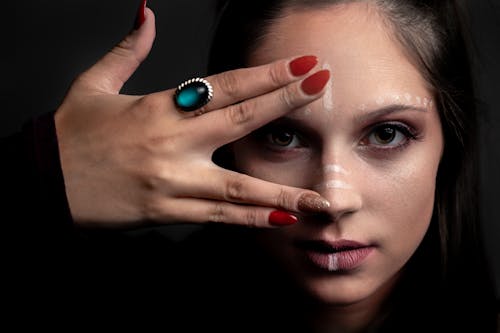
column 234, row 122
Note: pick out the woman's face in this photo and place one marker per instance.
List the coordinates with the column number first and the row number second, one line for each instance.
column 371, row 146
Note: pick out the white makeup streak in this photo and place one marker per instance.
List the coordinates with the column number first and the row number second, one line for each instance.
column 333, row 262
column 337, row 184
column 328, row 96
column 425, row 102
column 333, row 184
column 337, row 168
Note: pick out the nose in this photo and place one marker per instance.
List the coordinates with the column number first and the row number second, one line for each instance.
column 337, row 185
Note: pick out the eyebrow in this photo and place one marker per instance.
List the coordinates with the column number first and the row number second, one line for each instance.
column 386, row 110
column 366, row 117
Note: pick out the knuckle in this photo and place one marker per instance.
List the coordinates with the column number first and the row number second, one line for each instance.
column 234, row 190
column 154, row 176
column 277, row 75
column 149, row 106
column 124, row 49
column 287, row 97
column 152, row 208
column 217, row 213
column 153, row 180
column 284, row 199
column 240, row 113
column 229, row 83
column 251, row 218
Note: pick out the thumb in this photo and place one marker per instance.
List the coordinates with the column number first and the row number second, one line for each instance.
column 111, row 72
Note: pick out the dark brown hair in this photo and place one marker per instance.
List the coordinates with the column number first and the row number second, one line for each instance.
column 457, row 282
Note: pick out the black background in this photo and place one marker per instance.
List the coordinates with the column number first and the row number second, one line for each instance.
column 53, row 41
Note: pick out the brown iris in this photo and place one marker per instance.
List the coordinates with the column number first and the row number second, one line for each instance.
column 281, row 138
column 385, row 135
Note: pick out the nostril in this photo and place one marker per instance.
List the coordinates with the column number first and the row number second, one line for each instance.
column 326, row 217
column 343, row 204
column 318, row 217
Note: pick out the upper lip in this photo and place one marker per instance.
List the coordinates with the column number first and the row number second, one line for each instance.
column 324, row 246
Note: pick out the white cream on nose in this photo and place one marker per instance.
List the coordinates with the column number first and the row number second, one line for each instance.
column 328, row 95
column 333, row 172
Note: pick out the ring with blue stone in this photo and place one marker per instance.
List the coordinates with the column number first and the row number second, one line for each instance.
column 193, row 94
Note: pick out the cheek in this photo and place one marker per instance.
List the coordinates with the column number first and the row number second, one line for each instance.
column 403, row 189
column 402, row 198
column 403, row 195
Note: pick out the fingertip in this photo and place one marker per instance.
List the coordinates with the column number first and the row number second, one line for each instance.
column 145, row 21
column 115, row 68
column 141, row 15
column 312, row 203
column 145, row 35
column 303, row 65
column 315, row 83
column 280, row 218
column 149, row 16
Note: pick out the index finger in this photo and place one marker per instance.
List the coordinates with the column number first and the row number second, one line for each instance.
column 240, row 84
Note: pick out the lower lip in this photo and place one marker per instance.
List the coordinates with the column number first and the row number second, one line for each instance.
column 339, row 261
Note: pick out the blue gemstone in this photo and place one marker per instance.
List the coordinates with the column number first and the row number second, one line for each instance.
column 192, row 96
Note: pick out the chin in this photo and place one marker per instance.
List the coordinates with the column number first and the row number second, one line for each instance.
column 336, row 290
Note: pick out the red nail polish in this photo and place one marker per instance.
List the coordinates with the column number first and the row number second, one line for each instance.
column 141, row 16
column 280, row 218
column 302, row 65
column 316, row 82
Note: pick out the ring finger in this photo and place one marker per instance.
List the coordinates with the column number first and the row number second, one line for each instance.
column 234, row 86
column 234, row 187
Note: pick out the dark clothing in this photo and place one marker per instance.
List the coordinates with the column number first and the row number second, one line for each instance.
column 62, row 268
column 216, row 279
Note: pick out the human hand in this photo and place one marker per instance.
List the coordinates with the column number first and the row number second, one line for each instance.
column 131, row 160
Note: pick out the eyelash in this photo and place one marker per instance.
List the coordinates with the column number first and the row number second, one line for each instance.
column 408, row 132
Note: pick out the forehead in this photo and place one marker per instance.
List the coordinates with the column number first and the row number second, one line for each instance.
column 354, row 41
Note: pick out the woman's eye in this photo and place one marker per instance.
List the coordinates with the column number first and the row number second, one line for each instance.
column 389, row 135
column 385, row 135
column 282, row 139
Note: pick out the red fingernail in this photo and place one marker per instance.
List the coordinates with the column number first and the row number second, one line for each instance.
column 141, row 16
column 302, row 65
column 280, row 218
column 316, row 82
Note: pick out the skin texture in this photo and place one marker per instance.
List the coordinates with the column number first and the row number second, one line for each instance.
column 389, row 201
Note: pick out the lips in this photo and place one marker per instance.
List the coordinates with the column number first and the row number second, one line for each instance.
column 341, row 255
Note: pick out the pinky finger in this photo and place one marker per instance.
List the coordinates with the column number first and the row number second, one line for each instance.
column 190, row 210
